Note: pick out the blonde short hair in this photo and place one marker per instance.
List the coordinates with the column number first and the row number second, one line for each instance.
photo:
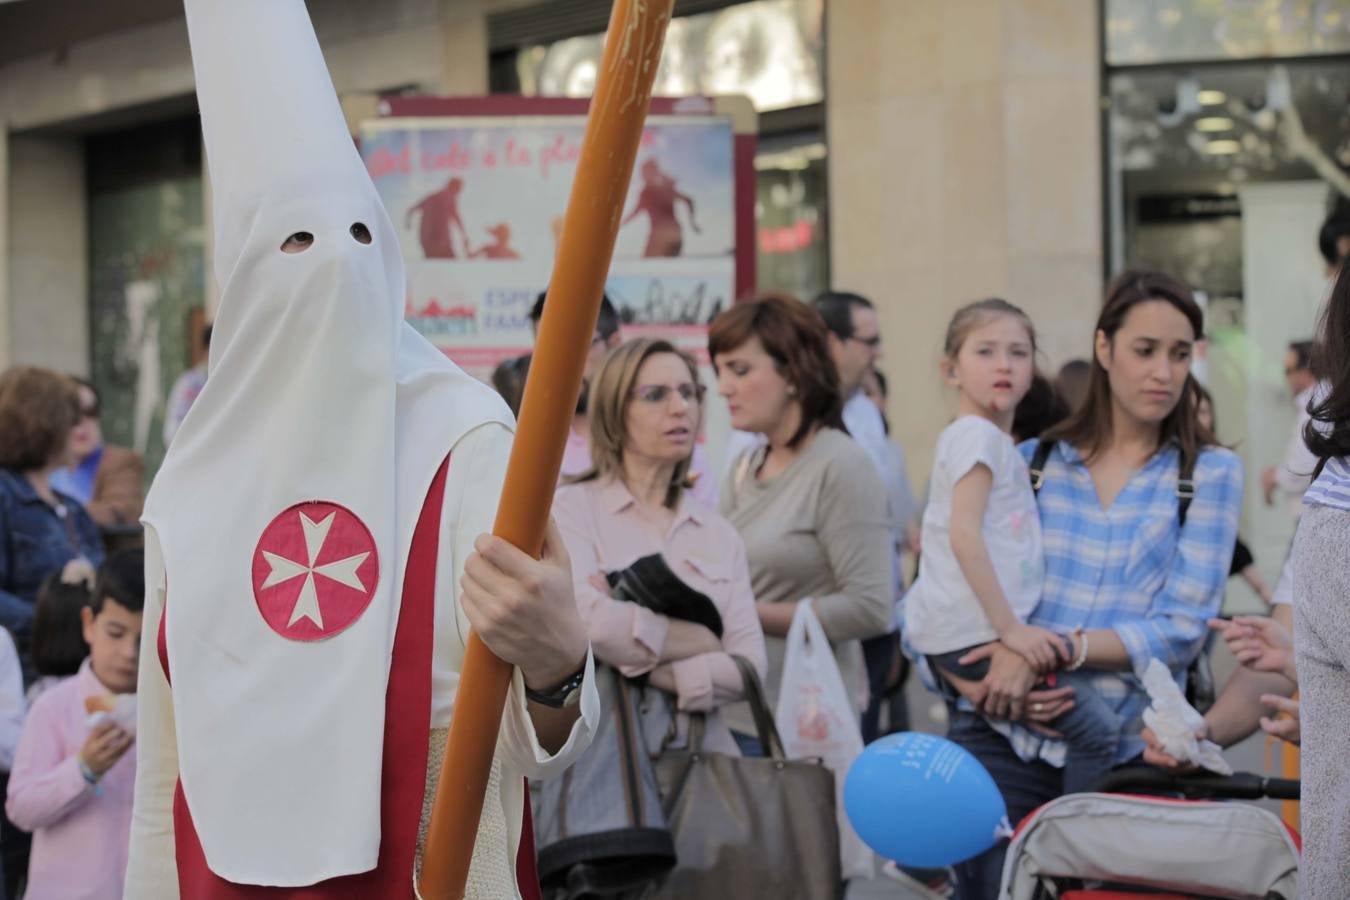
column 610, row 393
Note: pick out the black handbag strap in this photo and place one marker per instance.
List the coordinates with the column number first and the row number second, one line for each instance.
column 1037, row 467
column 1185, row 479
column 765, row 728
column 759, row 708
column 1185, row 491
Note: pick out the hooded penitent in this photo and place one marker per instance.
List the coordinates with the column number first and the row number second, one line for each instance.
column 285, row 507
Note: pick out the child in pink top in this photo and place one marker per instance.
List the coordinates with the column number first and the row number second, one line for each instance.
column 72, row 779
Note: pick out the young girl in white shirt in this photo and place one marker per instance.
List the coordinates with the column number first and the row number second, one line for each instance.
column 982, row 570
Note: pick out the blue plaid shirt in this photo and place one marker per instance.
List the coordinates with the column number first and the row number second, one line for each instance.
column 1133, row 569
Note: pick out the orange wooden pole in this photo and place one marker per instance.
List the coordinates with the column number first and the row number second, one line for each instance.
column 604, row 169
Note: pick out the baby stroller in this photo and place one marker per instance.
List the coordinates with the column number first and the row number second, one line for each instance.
column 1115, row 845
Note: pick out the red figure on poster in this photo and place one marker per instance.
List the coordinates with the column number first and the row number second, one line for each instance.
column 657, row 200
column 500, row 248
column 440, row 212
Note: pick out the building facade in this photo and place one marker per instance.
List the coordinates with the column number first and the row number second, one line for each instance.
column 925, row 153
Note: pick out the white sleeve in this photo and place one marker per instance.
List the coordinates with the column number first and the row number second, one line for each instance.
column 863, row 421
column 152, row 869
column 1284, row 588
column 473, row 489
column 971, row 441
column 904, row 508
column 12, row 703
column 1294, row 473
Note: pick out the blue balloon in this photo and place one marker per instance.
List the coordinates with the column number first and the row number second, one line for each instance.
column 923, row 801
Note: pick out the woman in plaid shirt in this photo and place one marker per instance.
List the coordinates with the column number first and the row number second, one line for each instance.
column 1139, row 510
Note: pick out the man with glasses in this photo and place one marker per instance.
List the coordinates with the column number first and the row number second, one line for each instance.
column 855, row 345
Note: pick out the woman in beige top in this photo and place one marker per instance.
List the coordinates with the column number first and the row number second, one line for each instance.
column 808, row 502
column 646, row 406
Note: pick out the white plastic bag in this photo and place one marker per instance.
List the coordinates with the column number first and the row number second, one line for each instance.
column 817, row 719
column 1175, row 722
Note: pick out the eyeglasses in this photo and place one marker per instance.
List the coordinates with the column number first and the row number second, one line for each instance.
column 660, row 393
column 89, row 412
column 874, row 341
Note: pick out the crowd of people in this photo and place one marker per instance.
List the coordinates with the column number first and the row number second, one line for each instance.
column 1072, row 531
column 69, row 648
column 285, row 730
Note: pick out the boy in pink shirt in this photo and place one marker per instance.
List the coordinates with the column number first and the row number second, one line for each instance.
column 72, row 780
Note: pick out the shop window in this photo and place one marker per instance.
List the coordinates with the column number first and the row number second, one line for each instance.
column 146, row 271
column 1208, row 132
column 791, row 249
column 767, row 50
column 1153, row 31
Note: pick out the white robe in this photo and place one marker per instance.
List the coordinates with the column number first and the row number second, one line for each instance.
column 473, row 487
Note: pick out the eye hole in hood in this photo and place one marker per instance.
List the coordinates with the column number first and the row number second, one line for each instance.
column 360, row 232
column 298, row 242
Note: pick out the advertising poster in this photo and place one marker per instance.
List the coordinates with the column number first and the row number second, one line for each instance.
column 478, row 203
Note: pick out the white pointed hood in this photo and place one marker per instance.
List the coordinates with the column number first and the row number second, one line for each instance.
column 286, row 505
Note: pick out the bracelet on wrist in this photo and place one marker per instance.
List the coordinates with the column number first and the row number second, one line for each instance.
column 1081, row 656
column 90, row 778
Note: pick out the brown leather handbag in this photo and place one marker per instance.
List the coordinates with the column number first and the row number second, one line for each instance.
column 748, row 827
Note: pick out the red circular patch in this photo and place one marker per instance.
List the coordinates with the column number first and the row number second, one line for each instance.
column 314, row 571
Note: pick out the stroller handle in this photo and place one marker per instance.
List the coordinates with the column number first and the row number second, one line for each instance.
column 1201, row 786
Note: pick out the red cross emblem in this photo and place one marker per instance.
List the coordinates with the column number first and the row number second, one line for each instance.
column 314, row 571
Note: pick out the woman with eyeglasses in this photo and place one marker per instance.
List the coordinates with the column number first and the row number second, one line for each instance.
column 646, row 407
column 105, row 478
column 808, row 501
column 42, row 530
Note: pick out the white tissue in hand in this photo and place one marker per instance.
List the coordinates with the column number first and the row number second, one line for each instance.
column 1175, row 722
column 123, row 713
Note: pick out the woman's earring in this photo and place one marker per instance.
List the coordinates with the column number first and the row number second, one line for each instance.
column 792, row 390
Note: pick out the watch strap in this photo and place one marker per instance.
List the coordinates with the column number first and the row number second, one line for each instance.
column 557, row 699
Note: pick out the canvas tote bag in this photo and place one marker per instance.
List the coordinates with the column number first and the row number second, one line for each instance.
column 599, row 827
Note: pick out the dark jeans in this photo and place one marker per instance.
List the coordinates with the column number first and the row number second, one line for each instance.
column 879, row 654
column 1091, row 734
column 1025, row 786
column 748, row 745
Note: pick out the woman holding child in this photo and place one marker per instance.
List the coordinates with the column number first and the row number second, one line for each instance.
column 1138, row 511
